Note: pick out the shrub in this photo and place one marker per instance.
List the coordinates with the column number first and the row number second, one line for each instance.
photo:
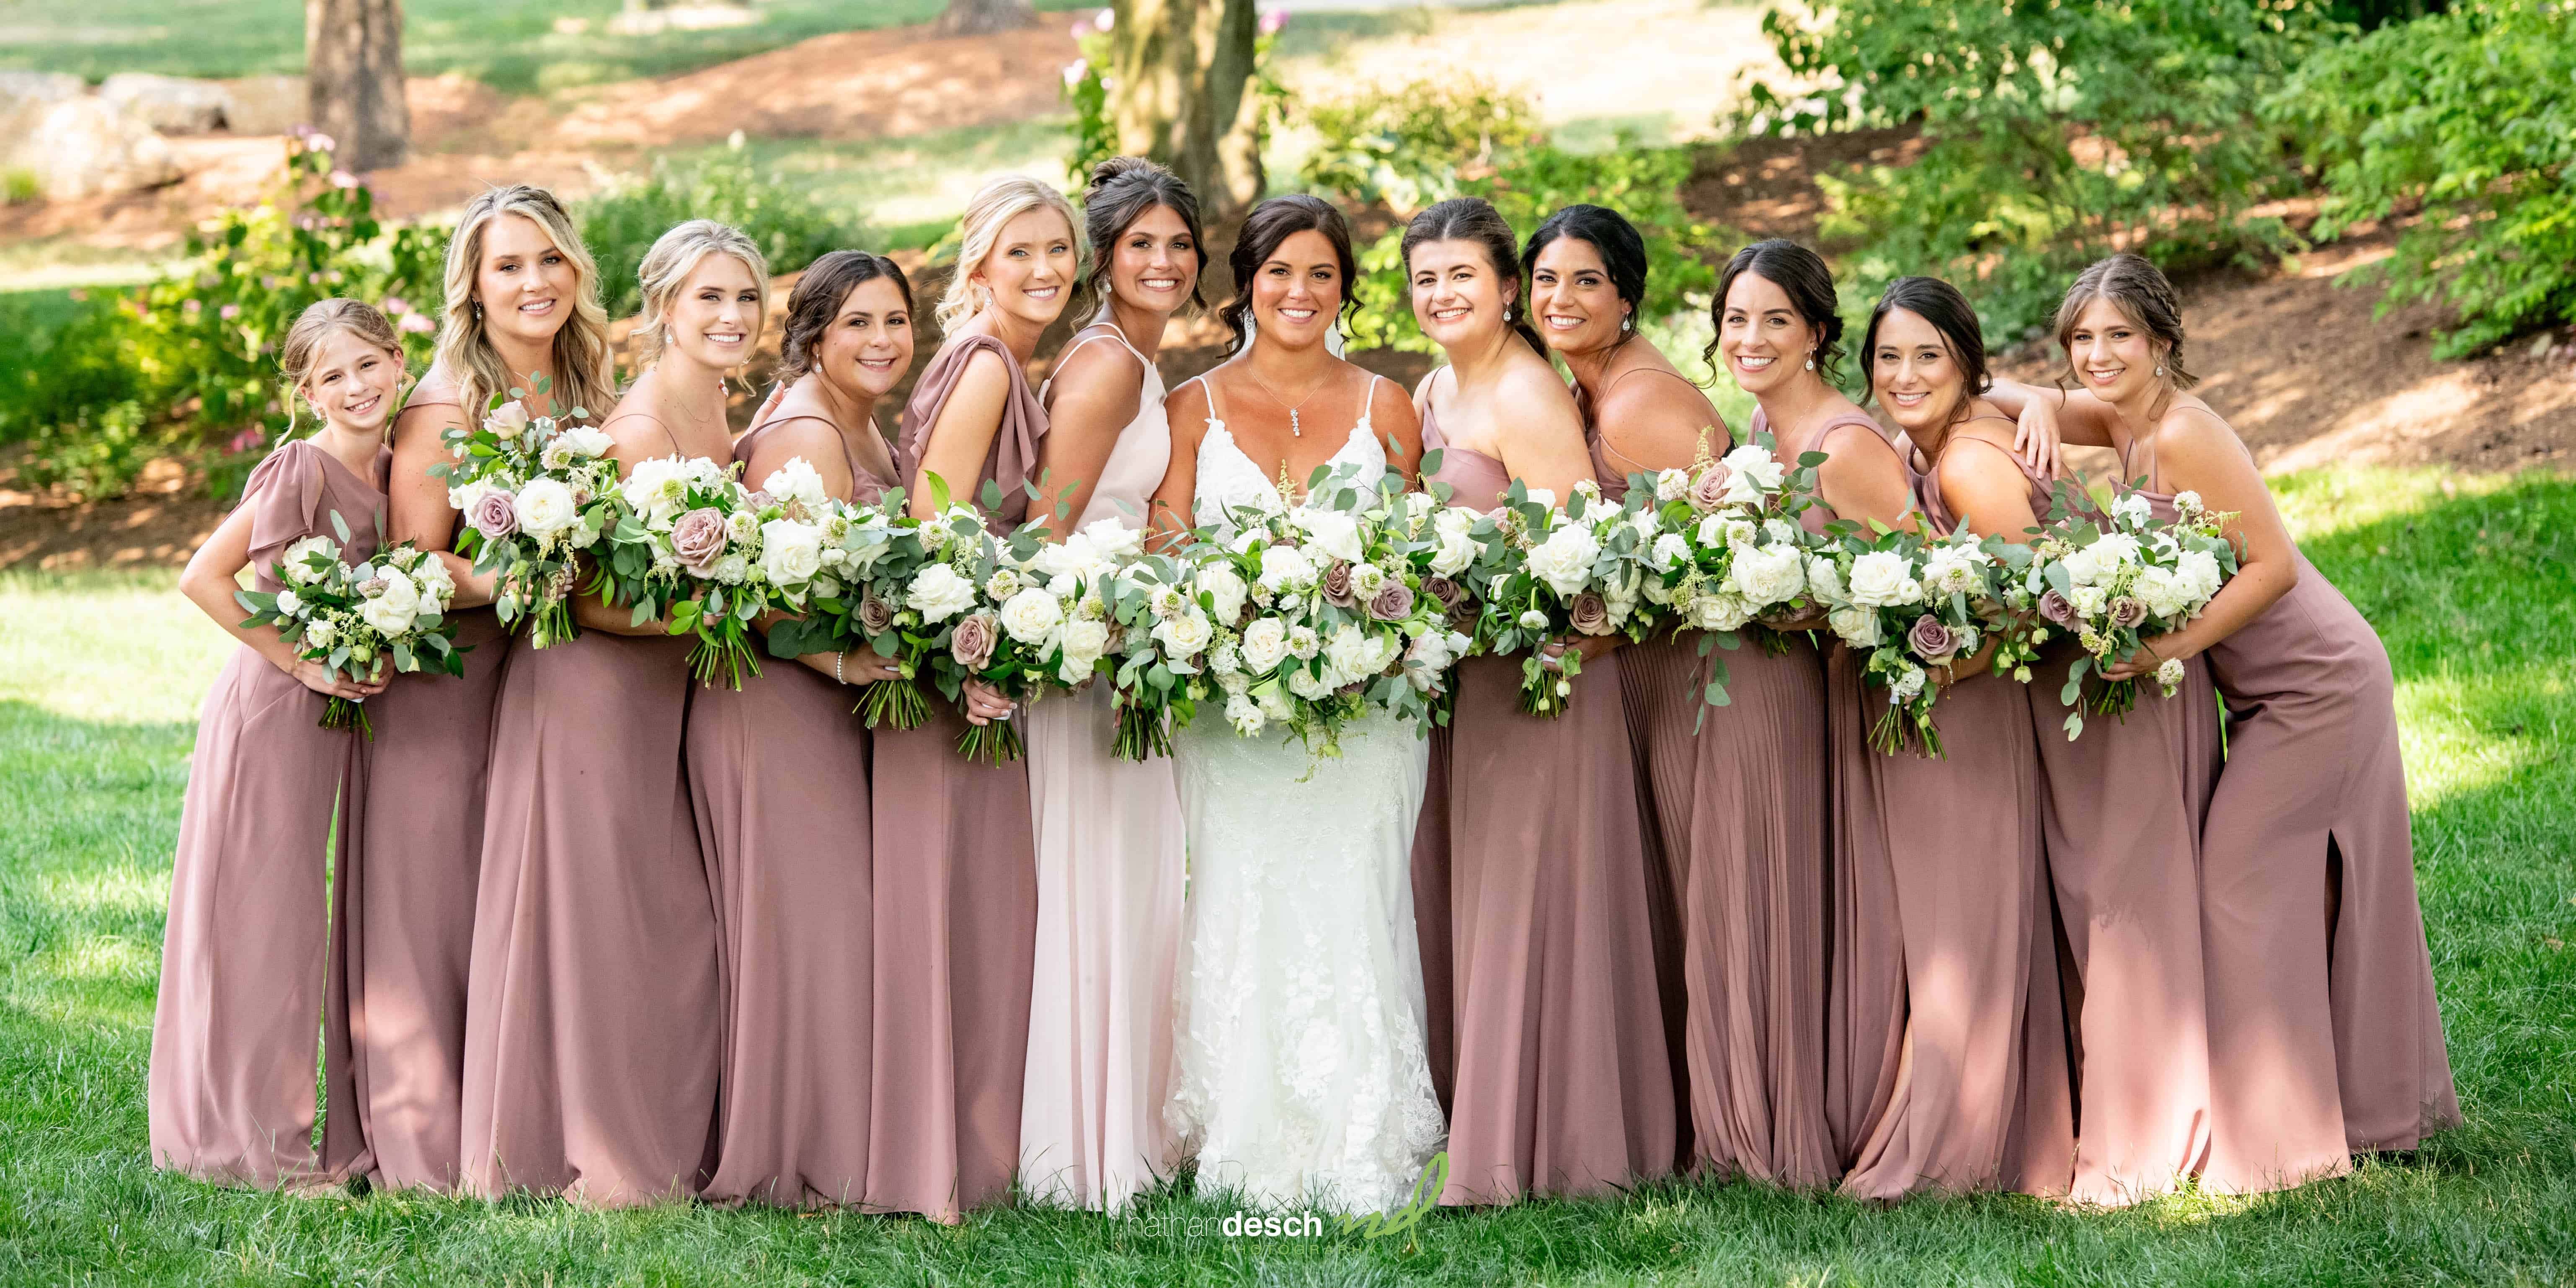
column 1410, row 147
column 2471, row 116
column 620, row 222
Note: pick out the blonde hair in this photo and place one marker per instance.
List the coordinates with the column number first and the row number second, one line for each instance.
column 666, row 269
column 1002, row 199
column 320, row 321
column 583, row 373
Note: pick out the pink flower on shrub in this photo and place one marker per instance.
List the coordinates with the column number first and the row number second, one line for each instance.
column 249, row 438
column 190, row 308
column 229, row 312
column 396, row 305
column 1273, row 21
column 343, row 179
column 415, row 324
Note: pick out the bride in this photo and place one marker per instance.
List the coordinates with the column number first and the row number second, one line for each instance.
column 1300, row 1072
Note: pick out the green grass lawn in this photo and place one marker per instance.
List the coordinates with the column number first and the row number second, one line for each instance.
column 2467, row 579
column 511, row 44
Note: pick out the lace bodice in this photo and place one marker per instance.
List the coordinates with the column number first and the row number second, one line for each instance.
column 1228, row 478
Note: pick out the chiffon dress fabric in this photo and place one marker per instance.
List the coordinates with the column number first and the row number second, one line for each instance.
column 1109, row 872
column 410, row 923
column 594, row 1016
column 2325, row 1036
column 1946, row 860
column 778, row 784
column 250, row 970
column 956, row 897
column 1562, row 1082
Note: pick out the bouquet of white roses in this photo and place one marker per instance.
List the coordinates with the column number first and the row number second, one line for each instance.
column 1728, row 548
column 536, row 492
column 2116, row 584
column 1907, row 603
column 856, row 600
column 350, row 618
column 1545, row 572
column 1147, row 621
column 711, row 557
column 1003, row 621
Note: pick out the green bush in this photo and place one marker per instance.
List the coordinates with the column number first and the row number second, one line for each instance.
column 2470, row 118
column 1412, row 146
column 2055, row 134
column 621, row 221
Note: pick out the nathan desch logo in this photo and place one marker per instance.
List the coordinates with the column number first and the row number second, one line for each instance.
column 1426, row 1196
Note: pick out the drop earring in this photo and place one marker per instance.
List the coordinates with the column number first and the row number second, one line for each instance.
column 1627, row 324
column 1811, row 362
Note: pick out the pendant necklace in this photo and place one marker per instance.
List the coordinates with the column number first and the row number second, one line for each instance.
column 1294, row 429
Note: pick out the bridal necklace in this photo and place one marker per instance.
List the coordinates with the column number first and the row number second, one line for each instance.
column 1294, row 429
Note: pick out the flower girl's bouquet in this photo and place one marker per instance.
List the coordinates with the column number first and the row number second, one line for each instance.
column 1728, row 548
column 536, row 492
column 2127, row 579
column 856, row 601
column 1907, row 603
column 348, row 618
column 1545, row 573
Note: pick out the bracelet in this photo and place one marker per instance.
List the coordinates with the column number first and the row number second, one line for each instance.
column 837, row 660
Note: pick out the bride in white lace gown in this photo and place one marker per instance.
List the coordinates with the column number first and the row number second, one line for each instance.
column 1300, row 1076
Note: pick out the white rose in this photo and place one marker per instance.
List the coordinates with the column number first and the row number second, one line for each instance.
column 1348, row 656
column 655, row 488
column 1245, row 715
column 1767, row 575
column 2132, row 509
column 292, row 564
column 1225, row 590
column 1083, row 642
column 1669, row 549
column 790, row 552
column 585, row 441
column 938, row 593
column 1286, row 568
column 1719, row 611
column 1185, row 636
column 1540, row 496
column 1303, row 643
column 1265, row 645
column 1457, row 550
column 288, row 603
column 1857, row 627
column 1670, row 484
column 2197, row 570
column 2082, row 568
column 797, row 482
column 1564, row 560
column 1454, row 521
column 1274, row 703
column 1308, row 685
column 1331, row 531
column 2163, row 593
column 383, row 618
column 1428, row 656
column 2115, row 549
column 1753, row 461
column 1533, row 620
column 461, row 499
column 1032, row 615
column 1113, row 538
column 399, row 596
column 545, row 508
column 320, row 634
column 1882, row 578
column 2090, row 600
column 1824, row 579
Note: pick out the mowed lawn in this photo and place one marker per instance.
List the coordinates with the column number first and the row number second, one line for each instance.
column 2467, row 578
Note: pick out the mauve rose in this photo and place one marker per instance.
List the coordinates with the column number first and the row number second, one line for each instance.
column 1337, row 586
column 698, row 540
column 874, row 616
column 1392, row 603
column 1462, row 617
column 1442, row 589
column 494, row 515
column 1710, row 488
column 971, row 644
column 1589, row 614
column 2128, row 611
column 2057, row 608
column 1931, row 640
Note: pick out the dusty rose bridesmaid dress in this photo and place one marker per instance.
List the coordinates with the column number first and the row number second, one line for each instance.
column 1562, row 1083
column 410, row 929
column 2325, row 1036
column 594, row 1009
column 778, row 780
column 1947, row 859
column 956, row 900
column 249, row 969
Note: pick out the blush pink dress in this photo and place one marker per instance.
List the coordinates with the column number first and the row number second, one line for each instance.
column 1108, row 840
column 410, row 932
column 2325, row 1035
column 778, row 782
column 1562, row 1083
column 956, row 899
column 1981, row 1098
column 249, row 968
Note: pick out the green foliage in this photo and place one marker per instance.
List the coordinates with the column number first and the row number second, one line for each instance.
column 2055, row 134
column 188, row 363
column 2470, row 118
column 1086, row 90
column 1411, row 146
column 620, row 223
column 18, row 186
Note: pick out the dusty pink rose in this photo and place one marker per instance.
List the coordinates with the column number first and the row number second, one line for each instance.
column 2128, row 611
column 1337, row 586
column 1392, row 603
column 1589, row 614
column 875, row 617
column 971, row 644
column 1930, row 640
column 2057, row 608
column 507, row 419
column 1442, row 589
column 495, row 515
column 698, row 540
column 1708, row 491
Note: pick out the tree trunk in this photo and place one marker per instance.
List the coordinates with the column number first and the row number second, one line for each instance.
column 984, row 17
column 354, row 77
column 1182, row 93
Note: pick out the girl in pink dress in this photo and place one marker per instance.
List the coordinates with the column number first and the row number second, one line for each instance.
column 246, row 959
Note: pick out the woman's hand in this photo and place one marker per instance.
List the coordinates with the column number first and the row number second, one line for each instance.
column 2152, row 654
column 2038, row 440
column 331, row 684
column 1810, row 618
column 984, row 704
column 867, row 666
column 1590, row 648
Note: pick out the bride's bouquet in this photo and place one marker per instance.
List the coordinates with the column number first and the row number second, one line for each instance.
column 1546, row 573
column 1906, row 604
column 536, row 493
column 856, row 601
column 1728, row 548
column 351, row 618
column 2118, row 583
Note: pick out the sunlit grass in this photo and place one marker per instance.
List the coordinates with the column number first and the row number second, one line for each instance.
column 100, row 676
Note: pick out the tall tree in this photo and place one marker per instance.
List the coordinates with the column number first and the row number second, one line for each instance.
column 984, row 17
column 354, row 80
column 1182, row 92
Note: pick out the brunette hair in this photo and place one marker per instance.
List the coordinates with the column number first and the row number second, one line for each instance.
column 1122, row 190
column 2142, row 293
column 1275, row 221
column 666, row 269
column 321, row 320
column 1941, row 304
column 1475, row 219
column 584, row 374
column 1002, row 199
column 817, row 300
column 1621, row 248
column 1802, row 275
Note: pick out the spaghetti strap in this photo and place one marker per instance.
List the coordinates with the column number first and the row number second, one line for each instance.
column 1112, row 333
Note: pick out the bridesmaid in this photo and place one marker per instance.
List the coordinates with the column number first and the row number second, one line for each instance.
column 778, row 777
column 2325, row 1035
column 523, row 305
column 956, row 902
column 1562, row 1082
column 594, row 1013
column 246, row 957
column 1981, row 1096
column 1107, row 831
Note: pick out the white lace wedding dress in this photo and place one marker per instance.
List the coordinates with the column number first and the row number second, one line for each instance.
column 1301, row 1077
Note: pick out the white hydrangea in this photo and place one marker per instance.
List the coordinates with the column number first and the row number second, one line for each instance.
column 797, row 483
column 1669, row 549
column 1331, row 531
column 1670, row 485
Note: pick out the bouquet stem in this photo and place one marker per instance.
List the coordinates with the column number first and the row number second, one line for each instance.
column 551, row 623
column 2114, row 698
column 995, row 742
column 1143, row 734
column 897, row 703
column 729, row 655
column 1899, row 729
column 341, row 713
column 1546, row 691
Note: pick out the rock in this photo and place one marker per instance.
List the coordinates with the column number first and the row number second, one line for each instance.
column 168, row 103
column 18, row 89
column 267, row 105
column 83, row 147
